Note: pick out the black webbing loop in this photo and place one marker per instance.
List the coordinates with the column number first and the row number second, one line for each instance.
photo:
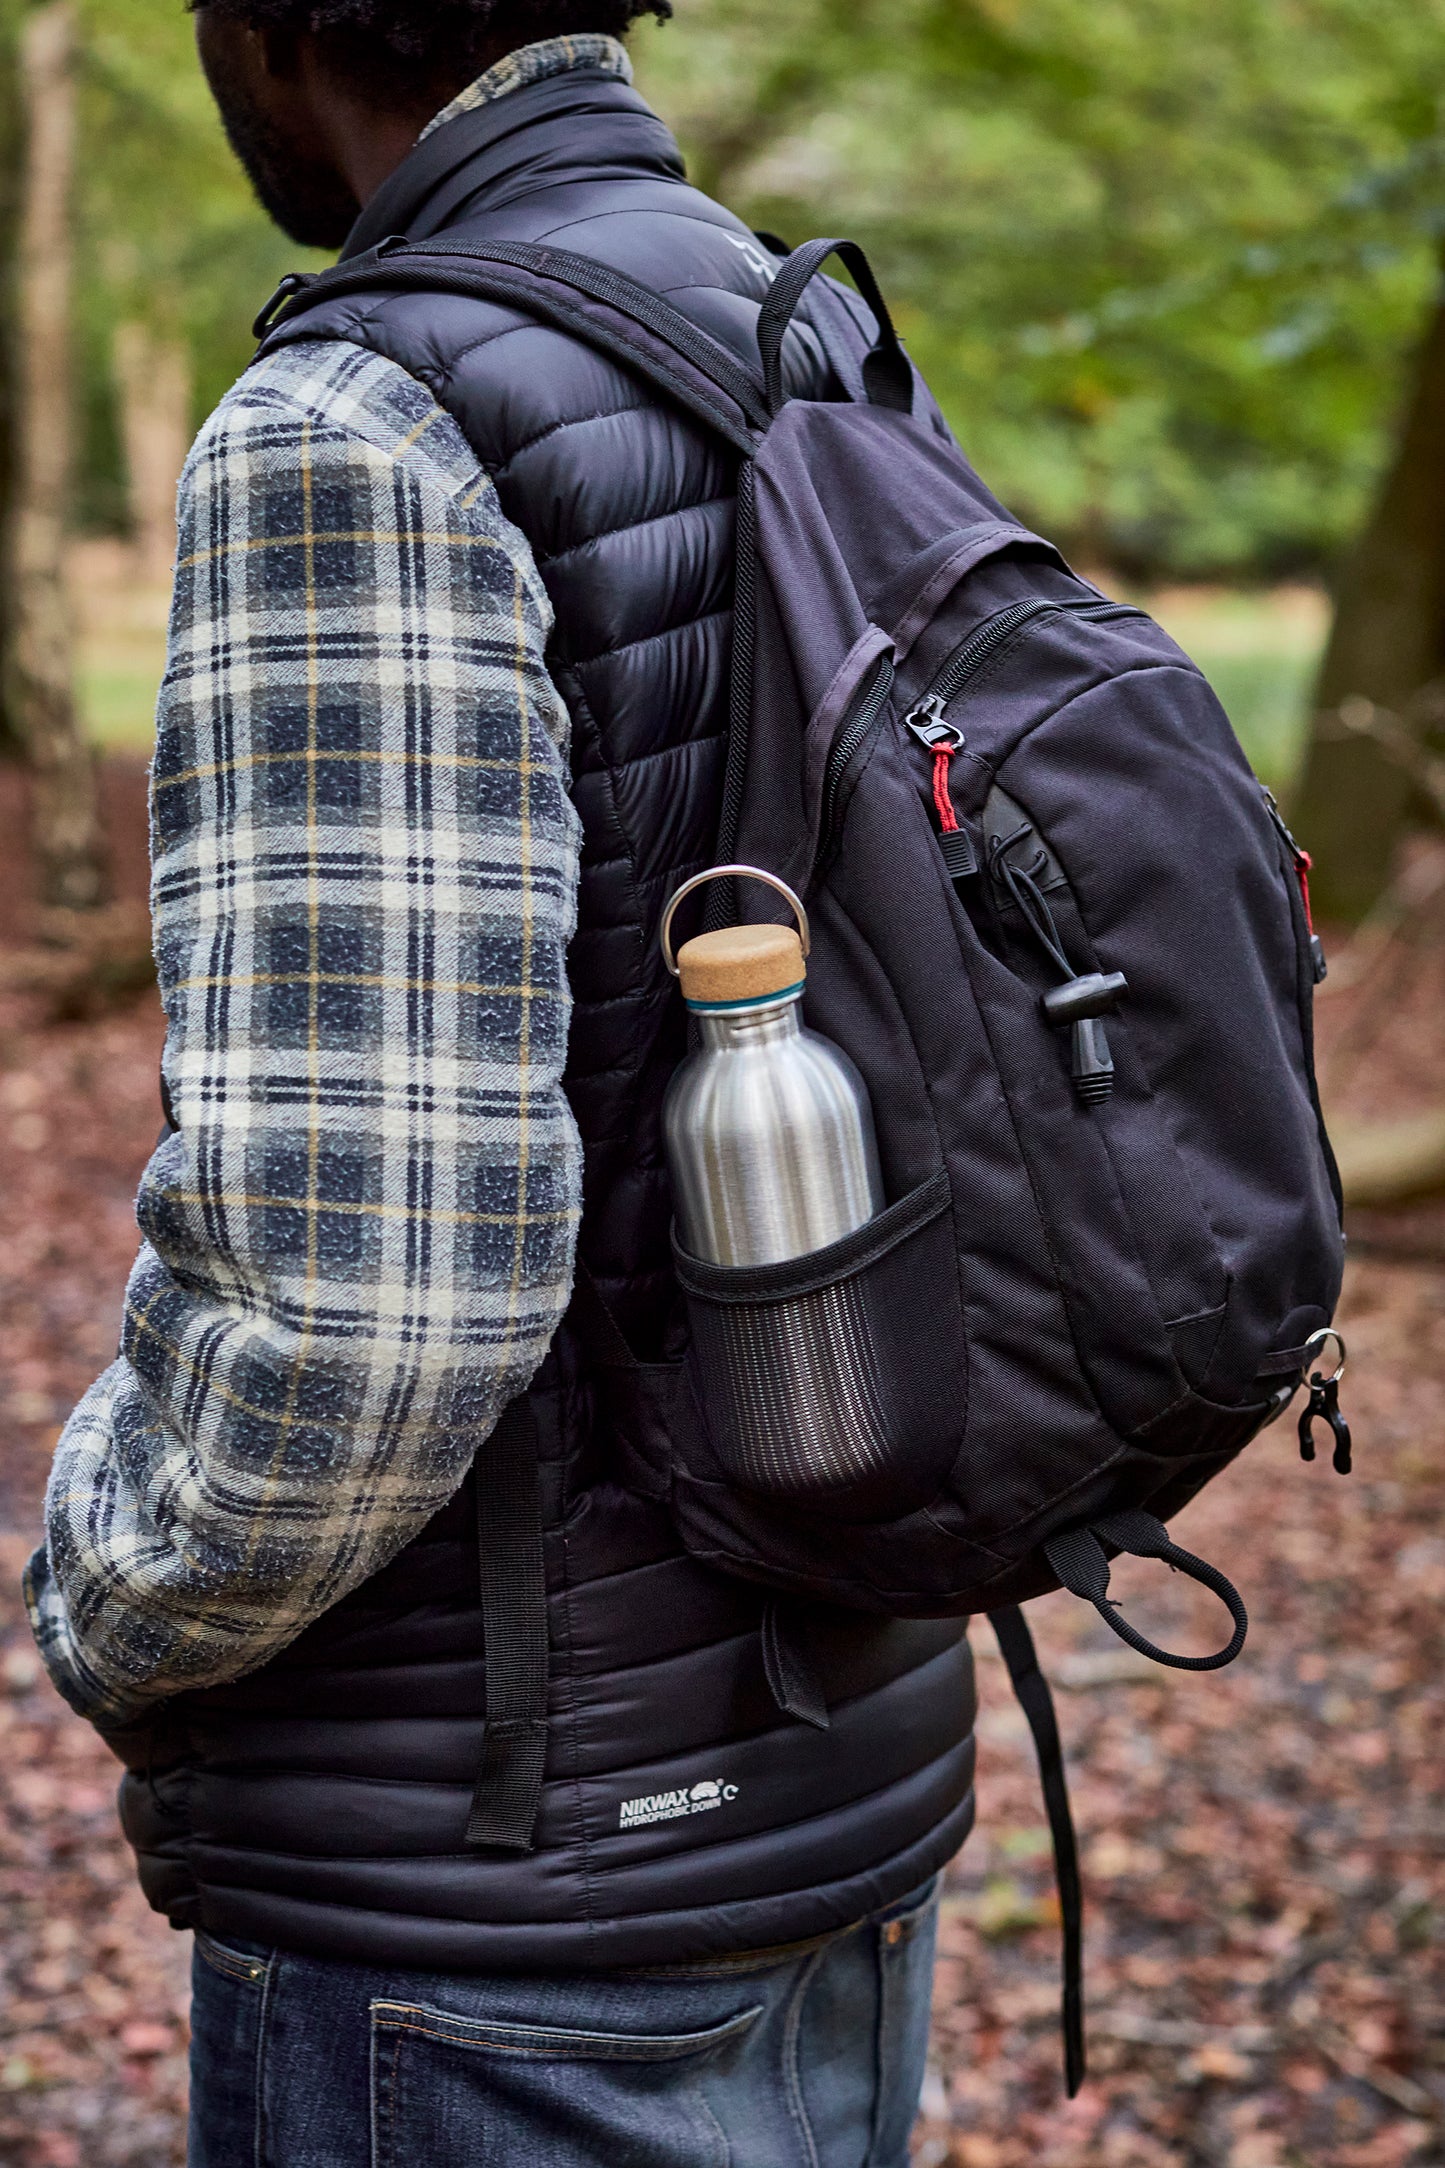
column 887, row 372
column 1079, row 1560
column 793, row 1679
column 1016, row 1644
column 514, row 1626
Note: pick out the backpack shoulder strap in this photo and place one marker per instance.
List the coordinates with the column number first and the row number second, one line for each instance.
column 620, row 316
column 603, row 307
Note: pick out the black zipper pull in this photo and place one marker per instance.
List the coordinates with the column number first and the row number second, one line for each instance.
column 925, row 719
column 1324, row 1404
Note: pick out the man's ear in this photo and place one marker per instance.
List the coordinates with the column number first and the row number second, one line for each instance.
column 279, row 50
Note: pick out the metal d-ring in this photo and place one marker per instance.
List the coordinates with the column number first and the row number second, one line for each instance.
column 1315, row 1347
column 718, row 873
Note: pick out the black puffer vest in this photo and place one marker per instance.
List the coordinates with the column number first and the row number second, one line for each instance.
column 320, row 1804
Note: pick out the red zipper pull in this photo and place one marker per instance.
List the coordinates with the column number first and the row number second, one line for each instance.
column 943, row 753
column 1303, row 865
column 942, row 741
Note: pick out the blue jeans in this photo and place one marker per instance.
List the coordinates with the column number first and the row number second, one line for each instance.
column 809, row 2057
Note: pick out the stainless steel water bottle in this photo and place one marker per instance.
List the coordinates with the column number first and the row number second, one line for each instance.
column 769, row 1132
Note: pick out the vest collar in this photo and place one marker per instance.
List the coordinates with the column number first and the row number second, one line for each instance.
column 508, row 148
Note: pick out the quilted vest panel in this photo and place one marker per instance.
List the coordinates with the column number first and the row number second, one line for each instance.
column 320, row 1803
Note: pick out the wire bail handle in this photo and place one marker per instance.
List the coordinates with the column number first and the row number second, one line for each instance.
column 718, row 873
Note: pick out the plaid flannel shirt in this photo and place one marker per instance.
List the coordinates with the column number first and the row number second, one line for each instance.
column 359, row 1241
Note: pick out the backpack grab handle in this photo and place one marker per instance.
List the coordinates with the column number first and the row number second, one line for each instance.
column 1081, row 1563
column 887, row 371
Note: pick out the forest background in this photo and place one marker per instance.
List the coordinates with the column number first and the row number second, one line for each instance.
column 1163, row 266
column 1173, row 268
column 1168, row 269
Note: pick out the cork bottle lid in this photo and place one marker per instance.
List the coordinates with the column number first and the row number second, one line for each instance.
column 740, row 963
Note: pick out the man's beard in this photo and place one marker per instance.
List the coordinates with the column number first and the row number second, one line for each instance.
column 309, row 201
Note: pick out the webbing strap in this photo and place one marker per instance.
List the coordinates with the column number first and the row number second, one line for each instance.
column 721, row 906
column 632, row 300
column 1016, row 1645
column 514, row 1625
column 635, row 326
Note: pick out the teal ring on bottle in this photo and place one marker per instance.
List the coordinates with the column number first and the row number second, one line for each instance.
column 749, row 1001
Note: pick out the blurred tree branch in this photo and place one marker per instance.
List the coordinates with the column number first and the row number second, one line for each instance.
column 1402, row 740
column 1160, row 265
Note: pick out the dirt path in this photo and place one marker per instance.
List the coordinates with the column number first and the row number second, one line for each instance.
column 1265, row 1850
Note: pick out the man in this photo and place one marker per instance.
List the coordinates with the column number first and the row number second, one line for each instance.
column 442, row 728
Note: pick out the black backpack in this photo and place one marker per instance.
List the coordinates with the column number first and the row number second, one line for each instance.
column 1064, row 934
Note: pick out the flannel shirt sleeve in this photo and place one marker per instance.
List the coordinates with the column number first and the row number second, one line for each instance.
column 359, row 1240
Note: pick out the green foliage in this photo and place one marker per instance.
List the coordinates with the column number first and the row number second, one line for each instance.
column 1260, row 651
column 168, row 231
column 1160, row 262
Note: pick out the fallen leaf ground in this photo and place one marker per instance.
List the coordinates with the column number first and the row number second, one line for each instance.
column 1264, row 1850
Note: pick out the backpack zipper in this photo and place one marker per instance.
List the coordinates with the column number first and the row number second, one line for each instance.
column 859, row 726
column 1302, row 863
column 927, row 711
column 927, row 719
column 980, row 647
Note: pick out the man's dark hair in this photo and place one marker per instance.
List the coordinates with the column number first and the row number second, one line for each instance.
column 408, row 45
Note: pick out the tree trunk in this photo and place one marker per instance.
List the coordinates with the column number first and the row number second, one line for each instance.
column 66, row 828
column 153, row 376
column 1388, row 641
column 12, row 131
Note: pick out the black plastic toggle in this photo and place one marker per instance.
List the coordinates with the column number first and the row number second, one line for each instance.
column 1097, row 993
column 1078, row 1007
column 1091, row 1065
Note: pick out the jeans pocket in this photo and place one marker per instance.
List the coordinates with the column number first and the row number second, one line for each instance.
column 230, row 1996
column 248, row 1966
column 451, row 2091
